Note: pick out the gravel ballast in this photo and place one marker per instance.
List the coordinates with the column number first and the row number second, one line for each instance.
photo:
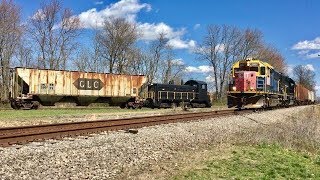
column 120, row 155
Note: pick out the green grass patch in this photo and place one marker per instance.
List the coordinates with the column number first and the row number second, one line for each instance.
column 55, row 112
column 258, row 162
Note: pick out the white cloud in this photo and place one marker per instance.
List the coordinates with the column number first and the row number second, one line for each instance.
column 289, row 70
column 312, row 55
column 220, row 47
column 98, row 2
column 196, row 26
column 129, row 9
column 39, row 15
column 303, row 52
column 152, row 31
column 177, row 43
column 199, row 69
column 307, row 45
column 125, row 8
column 178, row 61
column 210, row 79
column 310, row 67
column 308, row 49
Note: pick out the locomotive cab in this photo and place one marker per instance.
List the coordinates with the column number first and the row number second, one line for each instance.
column 202, row 97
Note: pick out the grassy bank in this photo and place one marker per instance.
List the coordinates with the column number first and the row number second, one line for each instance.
column 258, row 162
column 283, row 150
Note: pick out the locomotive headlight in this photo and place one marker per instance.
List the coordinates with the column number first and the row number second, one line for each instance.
column 234, row 88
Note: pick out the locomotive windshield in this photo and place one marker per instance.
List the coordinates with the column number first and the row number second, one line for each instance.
column 244, row 67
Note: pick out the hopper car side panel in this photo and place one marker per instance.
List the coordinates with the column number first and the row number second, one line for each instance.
column 50, row 86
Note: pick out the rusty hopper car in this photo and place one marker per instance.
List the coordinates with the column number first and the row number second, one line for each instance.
column 32, row 87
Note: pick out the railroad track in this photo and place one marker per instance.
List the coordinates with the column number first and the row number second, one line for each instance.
column 25, row 134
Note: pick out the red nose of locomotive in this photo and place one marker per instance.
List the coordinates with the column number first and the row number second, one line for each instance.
column 245, row 81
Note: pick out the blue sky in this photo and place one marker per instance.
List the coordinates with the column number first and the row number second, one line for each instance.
column 289, row 25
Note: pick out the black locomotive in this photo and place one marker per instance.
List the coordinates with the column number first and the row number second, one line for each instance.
column 192, row 93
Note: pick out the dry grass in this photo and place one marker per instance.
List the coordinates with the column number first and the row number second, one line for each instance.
column 298, row 132
column 285, row 149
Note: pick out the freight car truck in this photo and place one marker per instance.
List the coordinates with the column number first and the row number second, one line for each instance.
column 32, row 87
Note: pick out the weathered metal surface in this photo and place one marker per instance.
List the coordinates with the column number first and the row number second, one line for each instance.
column 245, row 81
column 54, row 83
column 301, row 93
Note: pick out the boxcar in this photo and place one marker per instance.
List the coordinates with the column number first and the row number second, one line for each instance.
column 301, row 94
column 31, row 87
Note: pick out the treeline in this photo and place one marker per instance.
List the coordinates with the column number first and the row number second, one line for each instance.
column 50, row 38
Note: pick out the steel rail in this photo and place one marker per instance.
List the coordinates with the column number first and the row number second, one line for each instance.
column 25, row 134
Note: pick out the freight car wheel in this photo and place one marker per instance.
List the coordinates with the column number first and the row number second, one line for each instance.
column 123, row 105
column 14, row 105
column 149, row 103
column 35, row 105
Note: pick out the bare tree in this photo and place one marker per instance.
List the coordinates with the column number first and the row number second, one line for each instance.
column 82, row 61
column 167, row 66
column 271, row 55
column 54, row 31
column 115, row 40
column 157, row 50
column 210, row 50
column 89, row 59
column 304, row 76
column 222, row 46
column 231, row 41
column 24, row 54
column 10, row 34
column 137, row 63
column 172, row 69
column 251, row 43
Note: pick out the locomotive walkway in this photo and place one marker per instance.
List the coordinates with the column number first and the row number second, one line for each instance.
column 25, row 134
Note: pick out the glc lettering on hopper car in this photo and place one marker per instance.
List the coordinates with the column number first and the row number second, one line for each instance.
column 88, row 84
